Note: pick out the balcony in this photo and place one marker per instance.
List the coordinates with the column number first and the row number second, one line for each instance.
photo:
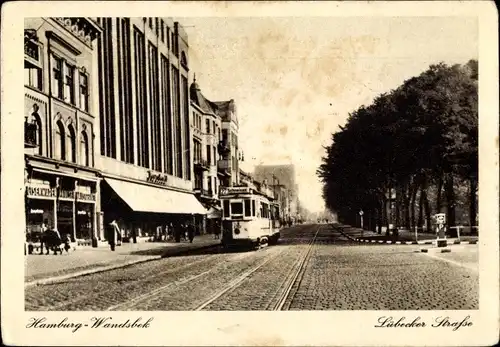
column 202, row 165
column 224, row 167
column 30, row 135
column 204, row 193
column 223, row 148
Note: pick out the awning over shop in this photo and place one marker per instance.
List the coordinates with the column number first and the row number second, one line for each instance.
column 142, row 198
column 214, row 213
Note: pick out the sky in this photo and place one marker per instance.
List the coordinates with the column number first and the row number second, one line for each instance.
column 295, row 79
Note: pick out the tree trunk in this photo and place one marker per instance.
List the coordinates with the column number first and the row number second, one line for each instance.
column 427, row 207
column 473, row 203
column 379, row 218
column 412, row 209
column 420, row 222
column 386, row 211
column 397, row 221
column 450, row 204
column 406, row 206
column 438, row 196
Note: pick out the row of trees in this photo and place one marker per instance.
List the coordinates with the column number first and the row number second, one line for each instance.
column 417, row 144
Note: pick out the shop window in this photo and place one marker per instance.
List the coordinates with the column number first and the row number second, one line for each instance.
column 71, row 150
column 208, row 126
column 84, row 149
column 59, row 143
column 84, row 92
column 253, row 208
column 84, row 220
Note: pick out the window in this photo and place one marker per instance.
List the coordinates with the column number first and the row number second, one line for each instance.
column 213, row 127
column 248, row 212
column 253, row 207
column 209, row 179
column 208, row 126
column 84, row 149
column 57, row 77
column 84, row 92
column 157, row 27
column 71, row 144
column 60, row 148
column 209, row 154
column 236, row 208
column 151, row 23
column 224, row 135
column 225, row 207
column 69, row 85
column 33, row 77
column 215, row 156
column 162, row 30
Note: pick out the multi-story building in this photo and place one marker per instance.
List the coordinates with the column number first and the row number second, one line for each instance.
column 230, row 155
column 60, row 75
column 145, row 131
column 281, row 175
column 206, row 133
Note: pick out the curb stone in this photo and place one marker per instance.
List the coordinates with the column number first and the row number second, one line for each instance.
column 358, row 239
column 56, row 279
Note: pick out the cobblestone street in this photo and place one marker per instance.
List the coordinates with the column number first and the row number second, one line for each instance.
column 313, row 267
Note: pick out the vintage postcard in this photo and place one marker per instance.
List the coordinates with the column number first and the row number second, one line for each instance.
column 250, row 173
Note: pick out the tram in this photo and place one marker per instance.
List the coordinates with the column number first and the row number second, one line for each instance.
column 249, row 217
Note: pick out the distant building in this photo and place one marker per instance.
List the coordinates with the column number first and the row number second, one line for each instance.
column 230, row 154
column 281, row 175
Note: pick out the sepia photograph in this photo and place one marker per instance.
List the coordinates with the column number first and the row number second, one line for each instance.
column 207, row 161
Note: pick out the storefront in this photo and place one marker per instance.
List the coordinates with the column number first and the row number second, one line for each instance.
column 62, row 202
column 145, row 209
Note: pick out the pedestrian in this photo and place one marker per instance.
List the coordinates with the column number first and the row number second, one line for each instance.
column 177, row 232
column 190, row 232
column 112, row 233
column 217, row 230
column 43, row 235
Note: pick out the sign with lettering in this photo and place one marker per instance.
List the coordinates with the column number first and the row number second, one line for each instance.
column 66, row 194
column 85, row 196
column 156, row 178
column 45, row 192
column 234, row 190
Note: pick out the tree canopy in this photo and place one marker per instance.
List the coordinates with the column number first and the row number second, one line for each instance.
column 425, row 132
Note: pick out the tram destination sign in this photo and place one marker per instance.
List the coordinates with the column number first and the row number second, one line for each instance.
column 234, row 190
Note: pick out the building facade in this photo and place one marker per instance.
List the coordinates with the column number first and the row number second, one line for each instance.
column 144, row 139
column 230, row 155
column 282, row 175
column 60, row 124
column 206, row 131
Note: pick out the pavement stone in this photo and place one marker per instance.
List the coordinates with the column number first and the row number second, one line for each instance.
column 48, row 268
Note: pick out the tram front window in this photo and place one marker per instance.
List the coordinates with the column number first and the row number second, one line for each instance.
column 248, row 212
column 226, row 208
column 236, row 208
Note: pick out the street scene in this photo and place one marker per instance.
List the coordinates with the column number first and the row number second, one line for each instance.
column 314, row 267
column 188, row 164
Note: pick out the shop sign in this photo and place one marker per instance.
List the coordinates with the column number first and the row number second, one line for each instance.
column 156, row 179
column 85, row 197
column 82, row 213
column 67, row 194
column 41, row 192
column 36, row 211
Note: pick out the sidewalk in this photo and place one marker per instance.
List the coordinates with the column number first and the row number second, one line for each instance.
column 404, row 237
column 46, row 268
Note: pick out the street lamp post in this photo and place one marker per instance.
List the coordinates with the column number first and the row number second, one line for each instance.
column 361, row 215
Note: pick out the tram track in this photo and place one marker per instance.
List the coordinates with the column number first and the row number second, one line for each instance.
column 283, row 293
column 295, row 277
column 134, row 302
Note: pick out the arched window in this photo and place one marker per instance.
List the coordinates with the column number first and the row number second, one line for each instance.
column 60, row 146
column 71, row 145
column 84, row 149
column 35, row 118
